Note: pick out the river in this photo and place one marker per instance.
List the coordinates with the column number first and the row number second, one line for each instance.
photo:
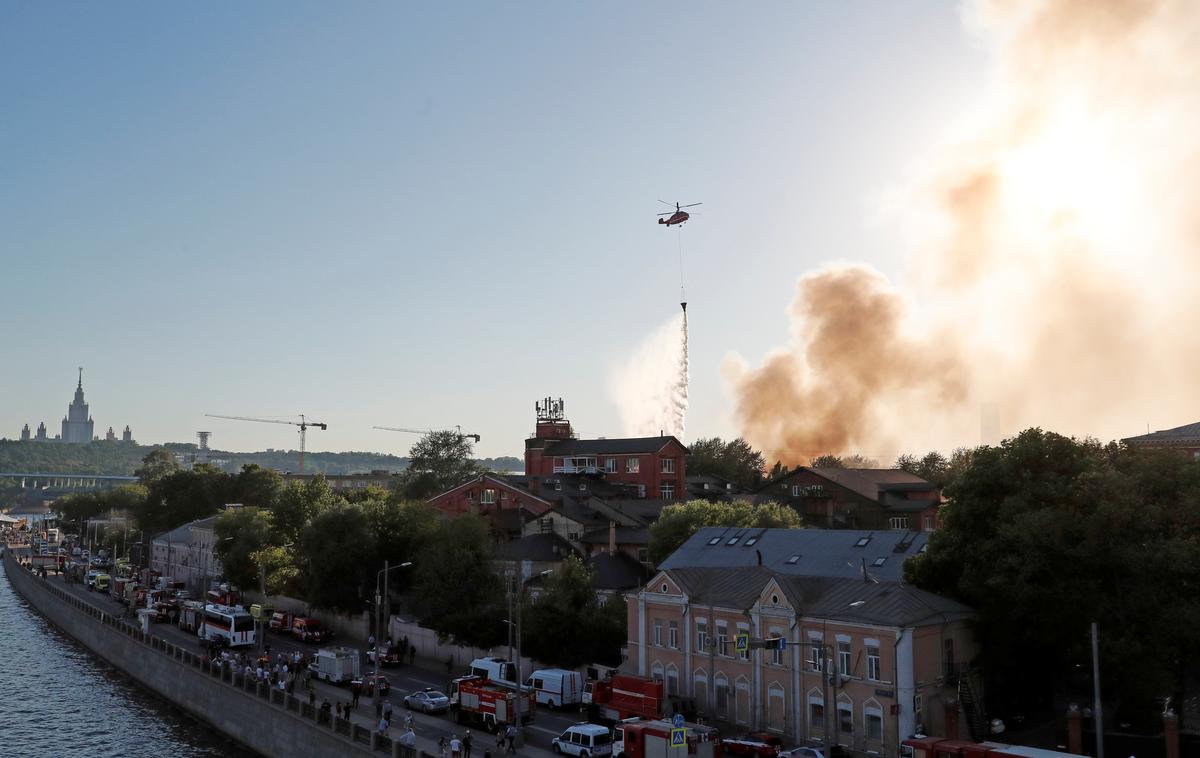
column 61, row 700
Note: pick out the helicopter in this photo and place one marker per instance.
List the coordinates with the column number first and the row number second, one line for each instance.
column 678, row 216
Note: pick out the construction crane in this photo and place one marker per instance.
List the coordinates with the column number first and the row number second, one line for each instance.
column 303, row 423
column 425, row 431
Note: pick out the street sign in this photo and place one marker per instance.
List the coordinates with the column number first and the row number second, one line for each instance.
column 677, row 722
column 742, row 643
column 678, row 738
column 775, row 643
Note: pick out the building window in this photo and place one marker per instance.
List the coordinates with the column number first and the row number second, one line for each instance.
column 873, row 662
column 672, row 683
column 644, row 554
column 641, row 490
column 702, row 634
column 632, row 465
column 668, row 465
column 722, row 690
column 845, row 718
column 844, row 658
column 503, row 495
column 795, row 490
column 777, row 655
column 816, row 715
column 929, row 523
column 666, row 491
column 657, row 633
column 489, row 496
column 722, row 638
column 610, row 465
column 673, row 635
column 814, row 655
column 898, row 522
column 874, row 726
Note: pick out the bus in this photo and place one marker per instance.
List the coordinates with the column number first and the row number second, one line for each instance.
column 233, row 625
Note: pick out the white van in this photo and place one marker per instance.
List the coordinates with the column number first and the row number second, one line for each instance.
column 584, row 740
column 556, row 687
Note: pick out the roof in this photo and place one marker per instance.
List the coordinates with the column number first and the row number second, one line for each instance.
column 837, row 553
column 869, row 482
column 851, row 600
column 619, row 446
column 183, row 534
column 1180, row 434
column 546, row 547
column 617, row 571
column 626, row 535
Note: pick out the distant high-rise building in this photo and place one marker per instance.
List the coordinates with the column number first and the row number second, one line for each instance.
column 77, row 425
column 127, row 435
column 25, row 433
column 110, row 436
column 41, row 432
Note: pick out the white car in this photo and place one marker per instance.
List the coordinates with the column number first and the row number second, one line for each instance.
column 584, row 740
column 802, row 752
column 427, row 700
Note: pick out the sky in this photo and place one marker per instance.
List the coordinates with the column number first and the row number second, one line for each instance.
column 434, row 215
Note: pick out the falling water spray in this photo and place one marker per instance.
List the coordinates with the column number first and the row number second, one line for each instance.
column 650, row 388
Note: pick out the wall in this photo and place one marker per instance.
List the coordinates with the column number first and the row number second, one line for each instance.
column 265, row 723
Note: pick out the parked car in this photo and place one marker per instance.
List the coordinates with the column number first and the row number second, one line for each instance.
column 368, row 685
column 427, row 700
column 584, row 740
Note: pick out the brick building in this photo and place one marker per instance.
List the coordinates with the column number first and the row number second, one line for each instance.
column 871, row 660
column 857, row 498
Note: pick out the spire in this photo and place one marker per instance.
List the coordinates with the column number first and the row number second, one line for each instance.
column 80, row 386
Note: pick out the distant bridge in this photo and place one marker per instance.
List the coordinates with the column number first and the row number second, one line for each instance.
column 66, row 482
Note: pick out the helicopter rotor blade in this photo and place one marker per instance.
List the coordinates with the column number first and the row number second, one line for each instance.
column 689, row 206
column 664, row 202
column 668, row 213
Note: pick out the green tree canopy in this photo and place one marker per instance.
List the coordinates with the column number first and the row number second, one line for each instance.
column 455, row 588
column 679, row 522
column 401, row 528
column 241, row 534
column 734, row 461
column 158, row 464
column 257, row 487
column 332, row 552
column 567, row 626
column 182, row 496
column 1045, row 534
column 298, row 504
column 439, row 461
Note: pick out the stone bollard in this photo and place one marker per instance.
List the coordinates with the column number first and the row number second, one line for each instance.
column 1074, row 730
column 1171, row 733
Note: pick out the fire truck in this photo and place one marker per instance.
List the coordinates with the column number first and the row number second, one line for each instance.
column 475, row 699
column 651, row 738
column 622, row 696
column 941, row 747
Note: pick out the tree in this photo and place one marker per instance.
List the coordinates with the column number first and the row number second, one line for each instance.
column 829, row 460
column 400, row 528
column 1045, row 534
column 257, row 487
column 331, row 553
column 455, row 589
column 182, row 496
column 679, row 522
column 777, row 471
column 439, row 461
column 278, row 566
column 566, row 625
column 241, row 534
column 298, row 504
column 734, row 461
column 158, row 464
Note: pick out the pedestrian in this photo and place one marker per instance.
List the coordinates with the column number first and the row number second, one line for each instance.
column 355, row 691
column 455, row 747
column 512, row 739
column 312, row 694
column 382, row 728
column 500, row 740
column 409, row 739
column 412, row 654
column 371, row 641
column 408, row 721
column 339, row 709
column 466, row 744
column 442, row 746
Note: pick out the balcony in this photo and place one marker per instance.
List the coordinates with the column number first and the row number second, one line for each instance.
column 572, row 468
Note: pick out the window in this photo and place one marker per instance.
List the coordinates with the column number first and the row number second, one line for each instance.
column 489, row 496
column 672, row 684
column 732, row 541
column 845, row 718
column 874, row 726
column 795, row 490
column 666, row 491
column 702, row 634
column 632, row 465
column 644, row 554
column 722, row 690
column 673, row 635
column 929, row 523
column 844, row 658
column 792, row 560
column 641, row 490
column 898, row 522
column 714, row 540
column 668, row 465
column 879, row 561
column 722, row 638
column 503, row 495
column 610, row 465
column 751, row 541
column 777, row 655
column 873, row 662
column 862, row 542
column 816, row 715
column 814, row 655
column 657, row 633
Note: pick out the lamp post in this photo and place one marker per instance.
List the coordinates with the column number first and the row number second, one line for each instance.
column 383, row 573
column 520, row 600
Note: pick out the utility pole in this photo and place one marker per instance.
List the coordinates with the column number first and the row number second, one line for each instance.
column 1099, row 708
column 375, row 689
column 262, row 588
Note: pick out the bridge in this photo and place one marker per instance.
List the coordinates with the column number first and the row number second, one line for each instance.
column 66, row 482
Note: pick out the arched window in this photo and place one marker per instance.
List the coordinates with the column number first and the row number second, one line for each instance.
column 743, row 700
column 872, row 721
column 700, row 688
column 672, row 680
column 816, row 713
column 776, row 707
column 845, row 719
column 656, row 671
column 721, row 689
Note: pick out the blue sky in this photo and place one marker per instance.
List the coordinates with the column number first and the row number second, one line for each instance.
column 416, row 215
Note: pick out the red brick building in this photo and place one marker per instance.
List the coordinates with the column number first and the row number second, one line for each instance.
column 858, row 498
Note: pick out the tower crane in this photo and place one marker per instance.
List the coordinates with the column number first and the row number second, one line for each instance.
column 303, row 423
column 425, row 431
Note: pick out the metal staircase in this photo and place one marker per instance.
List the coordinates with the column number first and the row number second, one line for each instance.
column 972, row 707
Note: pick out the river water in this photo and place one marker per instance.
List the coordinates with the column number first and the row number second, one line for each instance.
column 59, row 699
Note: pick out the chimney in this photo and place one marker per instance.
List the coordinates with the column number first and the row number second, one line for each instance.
column 612, row 537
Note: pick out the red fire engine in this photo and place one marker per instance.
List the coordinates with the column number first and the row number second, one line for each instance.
column 941, row 747
column 645, row 738
column 622, row 696
column 474, row 699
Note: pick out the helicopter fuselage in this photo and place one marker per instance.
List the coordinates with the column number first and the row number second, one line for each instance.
column 676, row 218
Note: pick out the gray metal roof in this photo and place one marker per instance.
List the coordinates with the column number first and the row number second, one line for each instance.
column 621, row 446
column 1186, row 433
column 801, row 552
column 617, row 571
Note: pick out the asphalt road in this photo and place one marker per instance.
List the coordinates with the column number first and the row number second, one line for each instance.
column 404, row 679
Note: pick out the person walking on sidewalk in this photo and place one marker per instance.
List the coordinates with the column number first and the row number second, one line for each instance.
column 455, row 747
column 387, row 709
column 511, row 733
column 412, row 654
column 466, row 744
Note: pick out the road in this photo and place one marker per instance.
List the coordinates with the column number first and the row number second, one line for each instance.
column 404, row 679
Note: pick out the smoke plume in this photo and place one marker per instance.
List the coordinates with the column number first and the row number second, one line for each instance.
column 651, row 389
column 1052, row 256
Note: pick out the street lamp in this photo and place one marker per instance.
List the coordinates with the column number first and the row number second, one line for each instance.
column 517, row 624
column 383, row 573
